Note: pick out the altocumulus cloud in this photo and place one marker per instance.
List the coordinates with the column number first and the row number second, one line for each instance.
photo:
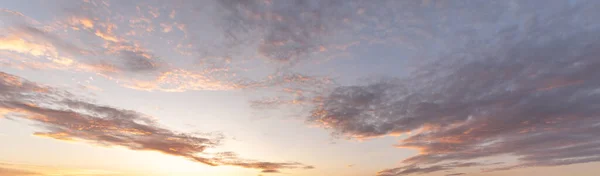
column 65, row 117
column 288, row 30
column 530, row 94
column 98, row 48
column 85, row 38
column 118, row 41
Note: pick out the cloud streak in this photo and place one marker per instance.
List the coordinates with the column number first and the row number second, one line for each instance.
column 64, row 117
column 129, row 63
column 16, row 172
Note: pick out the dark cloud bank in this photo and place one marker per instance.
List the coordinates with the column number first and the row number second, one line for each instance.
column 63, row 116
column 531, row 93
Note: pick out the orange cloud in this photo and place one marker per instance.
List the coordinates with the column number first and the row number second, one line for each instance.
column 106, row 36
column 180, row 80
column 82, row 21
column 17, row 44
column 71, row 119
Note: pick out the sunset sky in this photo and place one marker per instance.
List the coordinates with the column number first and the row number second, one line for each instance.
column 299, row 88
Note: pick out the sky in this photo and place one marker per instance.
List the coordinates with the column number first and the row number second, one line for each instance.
column 299, row 88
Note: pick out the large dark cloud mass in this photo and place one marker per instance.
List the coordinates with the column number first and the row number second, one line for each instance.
column 528, row 94
column 63, row 116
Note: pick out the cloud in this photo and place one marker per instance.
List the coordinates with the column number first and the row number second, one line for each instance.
column 99, row 38
column 524, row 89
column 455, row 174
column 179, row 80
column 106, row 36
column 412, row 169
column 137, row 61
column 55, row 41
column 82, row 21
column 288, row 90
column 16, row 172
column 34, row 42
column 288, row 30
column 13, row 43
column 63, row 116
column 534, row 98
column 125, row 61
column 85, row 39
column 120, row 42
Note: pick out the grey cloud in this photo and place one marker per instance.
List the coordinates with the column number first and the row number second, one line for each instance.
column 530, row 94
column 289, row 90
column 135, row 61
column 288, row 29
column 270, row 171
column 288, row 79
column 66, row 117
column 413, row 169
column 56, row 41
column 127, row 61
column 455, row 174
column 127, row 57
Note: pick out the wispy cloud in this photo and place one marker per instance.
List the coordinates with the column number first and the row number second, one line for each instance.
column 134, row 66
column 66, row 117
column 17, row 172
column 413, row 169
column 101, row 48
